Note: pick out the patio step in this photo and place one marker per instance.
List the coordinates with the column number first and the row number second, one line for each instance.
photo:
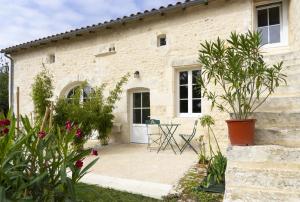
column 277, row 136
column 254, row 156
column 259, row 195
column 263, row 173
column 149, row 189
column 268, row 178
column 282, row 120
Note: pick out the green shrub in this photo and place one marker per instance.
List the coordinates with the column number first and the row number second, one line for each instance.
column 34, row 162
column 102, row 109
column 41, row 92
column 3, row 88
column 95, row 113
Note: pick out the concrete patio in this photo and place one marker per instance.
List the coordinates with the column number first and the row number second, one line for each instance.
column 133, row 168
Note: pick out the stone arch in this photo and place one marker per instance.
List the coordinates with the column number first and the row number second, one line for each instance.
column 64, row 92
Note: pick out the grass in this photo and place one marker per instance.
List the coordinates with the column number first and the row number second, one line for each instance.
column 187, row 189
column 93, row 193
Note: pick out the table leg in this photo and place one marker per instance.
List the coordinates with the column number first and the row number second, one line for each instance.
column 164, row 140
column 170, row 134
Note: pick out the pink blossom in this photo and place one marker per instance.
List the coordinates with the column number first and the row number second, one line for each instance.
column 79, row 164
column 68, row 125
column 94, row 152
column 42, row 134
column 78, row 133
column 5, row 130
column 4, row 122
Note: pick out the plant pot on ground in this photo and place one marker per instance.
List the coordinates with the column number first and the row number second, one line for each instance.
column 236, row 80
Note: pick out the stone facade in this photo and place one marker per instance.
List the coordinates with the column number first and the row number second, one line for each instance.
column 136, row 50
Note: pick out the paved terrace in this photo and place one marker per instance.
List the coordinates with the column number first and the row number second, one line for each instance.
column 133, row 168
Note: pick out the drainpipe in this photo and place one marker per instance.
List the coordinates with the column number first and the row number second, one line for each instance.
column 11, row 82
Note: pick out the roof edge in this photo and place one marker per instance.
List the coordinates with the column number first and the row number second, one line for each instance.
column 95, row 27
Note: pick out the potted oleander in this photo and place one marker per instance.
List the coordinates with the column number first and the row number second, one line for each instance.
column 237, row 80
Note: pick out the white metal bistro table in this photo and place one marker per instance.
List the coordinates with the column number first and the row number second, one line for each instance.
column 168, row 130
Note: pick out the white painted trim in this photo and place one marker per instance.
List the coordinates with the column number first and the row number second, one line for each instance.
column 131, row 111
column 189, row 114
column 283, row 20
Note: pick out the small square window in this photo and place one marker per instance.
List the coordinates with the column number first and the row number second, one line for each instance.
column 161, row 40
column 51, row 58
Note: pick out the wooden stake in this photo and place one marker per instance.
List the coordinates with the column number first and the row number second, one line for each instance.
column 51, row 115
column 18, row 109
column 45, row 119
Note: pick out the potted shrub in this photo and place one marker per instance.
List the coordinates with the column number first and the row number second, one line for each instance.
column 236, row 79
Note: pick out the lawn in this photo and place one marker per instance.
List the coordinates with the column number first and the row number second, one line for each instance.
column 187, row 186
column 93, row 193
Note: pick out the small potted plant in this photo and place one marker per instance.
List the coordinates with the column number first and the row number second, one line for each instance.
column 236, row 79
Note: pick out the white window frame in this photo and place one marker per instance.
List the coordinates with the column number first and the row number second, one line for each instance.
column 283, row 20
column 141, row 108
column 190, row 94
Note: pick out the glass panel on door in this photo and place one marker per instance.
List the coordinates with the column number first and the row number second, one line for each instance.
column 141, row 107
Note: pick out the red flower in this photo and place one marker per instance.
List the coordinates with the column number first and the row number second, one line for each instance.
column 79, row 164
column 68, row 125
column 5, row 130
column 42, row 134
column 94, row 152
column 78, row 133
column 4, row 122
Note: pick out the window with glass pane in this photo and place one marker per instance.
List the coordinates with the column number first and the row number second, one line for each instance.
column 141, row 107
column 183, row 92
column 196, row 96
column 269, row 23
column 189, row 92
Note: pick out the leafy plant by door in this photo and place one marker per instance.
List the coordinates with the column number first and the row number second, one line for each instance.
column 94, row 113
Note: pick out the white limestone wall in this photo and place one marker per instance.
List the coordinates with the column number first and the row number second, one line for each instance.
column 136, row 49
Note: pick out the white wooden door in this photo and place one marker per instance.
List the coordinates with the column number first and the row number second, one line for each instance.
column 140, row 110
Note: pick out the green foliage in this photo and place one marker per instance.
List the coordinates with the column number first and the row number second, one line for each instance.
column 217, row 162
column 95, row 113
column 41, row 92
column 93, row 193
column 237, row 67
column 34, row 163
column 216, row 170
column 102, row 109
column 188, row 188
column 75, row 111
column 3, row 88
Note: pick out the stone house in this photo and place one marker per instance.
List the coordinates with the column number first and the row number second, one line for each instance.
column 160, row 47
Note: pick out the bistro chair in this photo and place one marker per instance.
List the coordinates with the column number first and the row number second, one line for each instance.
column 153, row 132
column 188, row 138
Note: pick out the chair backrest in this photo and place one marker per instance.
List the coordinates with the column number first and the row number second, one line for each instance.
column 195, row 127
column 152, row 122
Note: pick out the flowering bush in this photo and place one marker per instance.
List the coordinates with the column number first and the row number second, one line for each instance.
column 40, row 164
column 95, row 113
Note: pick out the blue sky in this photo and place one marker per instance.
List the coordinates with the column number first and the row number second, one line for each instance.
column 25, row 20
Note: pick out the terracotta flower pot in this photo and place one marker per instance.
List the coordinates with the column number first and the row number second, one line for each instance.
column 241, row 132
